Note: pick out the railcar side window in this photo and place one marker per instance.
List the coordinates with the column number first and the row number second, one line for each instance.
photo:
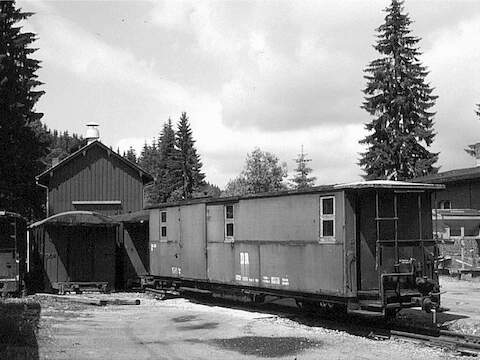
column 229, row 224
column 163, row 225
column 327, row 217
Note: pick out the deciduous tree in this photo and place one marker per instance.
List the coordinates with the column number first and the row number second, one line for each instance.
column 262, row 173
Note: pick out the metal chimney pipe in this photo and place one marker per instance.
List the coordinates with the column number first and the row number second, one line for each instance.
column 92, row 133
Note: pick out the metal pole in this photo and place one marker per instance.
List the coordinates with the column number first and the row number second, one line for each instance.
column 420, row 230
column 395, row 205
column 377, row 244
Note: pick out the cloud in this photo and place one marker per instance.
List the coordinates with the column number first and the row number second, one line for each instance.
column 281, row 71
column 453, row 62
column 273, row 75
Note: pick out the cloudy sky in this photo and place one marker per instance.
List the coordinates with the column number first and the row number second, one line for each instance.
column 268, row 74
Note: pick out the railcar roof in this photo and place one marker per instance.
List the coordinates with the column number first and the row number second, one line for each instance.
column 360, row 185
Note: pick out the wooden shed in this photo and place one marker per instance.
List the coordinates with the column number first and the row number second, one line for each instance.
column 71, row 245
column 95, row 178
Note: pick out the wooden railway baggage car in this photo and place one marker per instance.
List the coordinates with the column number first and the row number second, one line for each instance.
column 73, row 251
column 367, row 246
column 13, row 253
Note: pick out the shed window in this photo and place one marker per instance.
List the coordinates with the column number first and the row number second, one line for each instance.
column 163, row 216
column 229, row 223
column 164, row 232
column 327, row 217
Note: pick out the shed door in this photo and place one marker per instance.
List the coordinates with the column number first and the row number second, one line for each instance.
column 80, row 255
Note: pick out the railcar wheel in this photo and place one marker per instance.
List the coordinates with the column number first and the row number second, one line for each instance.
column 391, row 314
column 258, row 298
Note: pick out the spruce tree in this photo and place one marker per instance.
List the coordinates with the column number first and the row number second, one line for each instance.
column 168, row 172
column 148, row 160
column 130, row 155
column 21, row 143
column 301, row 180
column 399, row 98
column 192, row 177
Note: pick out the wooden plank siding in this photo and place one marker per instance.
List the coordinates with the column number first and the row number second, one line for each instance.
column 97, row 176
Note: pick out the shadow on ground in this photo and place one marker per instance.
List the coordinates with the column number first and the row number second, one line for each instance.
column 19, row 320
column 340, row 321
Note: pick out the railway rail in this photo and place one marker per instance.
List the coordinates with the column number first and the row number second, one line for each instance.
column 453, row 341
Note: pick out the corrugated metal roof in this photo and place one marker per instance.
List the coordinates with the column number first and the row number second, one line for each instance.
column 451, row 176
column 146, row 177
column 77, row 218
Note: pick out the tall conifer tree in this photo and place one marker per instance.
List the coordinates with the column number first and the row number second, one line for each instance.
column 21, row 145
column 168, row 172
column 190, row 165
column 399, row 99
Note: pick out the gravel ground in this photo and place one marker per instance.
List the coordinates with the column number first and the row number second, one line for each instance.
column 182, row 329
column 462, row 298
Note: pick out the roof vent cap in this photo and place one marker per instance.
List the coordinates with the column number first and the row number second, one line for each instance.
column 92, row 133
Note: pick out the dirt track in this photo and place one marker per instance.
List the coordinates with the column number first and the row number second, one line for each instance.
column 180, row 329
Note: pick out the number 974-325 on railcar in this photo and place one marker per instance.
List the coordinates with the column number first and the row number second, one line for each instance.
column 367, row 247
column 13, row 253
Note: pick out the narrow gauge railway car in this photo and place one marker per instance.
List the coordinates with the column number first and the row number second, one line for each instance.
column 13, row 253
column 365, row 246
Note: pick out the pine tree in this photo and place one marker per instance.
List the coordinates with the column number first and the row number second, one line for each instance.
column 301, row 180
column 190, row 164
column 148, row 160
column 399, row 99
column 131, row 155
column 21, row 143
column 169, row 171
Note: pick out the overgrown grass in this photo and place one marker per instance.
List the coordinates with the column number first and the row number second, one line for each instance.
column 19, row 320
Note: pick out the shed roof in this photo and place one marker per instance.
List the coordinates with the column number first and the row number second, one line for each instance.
column 43, row 177
column 451, row 175
column 72, row 218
